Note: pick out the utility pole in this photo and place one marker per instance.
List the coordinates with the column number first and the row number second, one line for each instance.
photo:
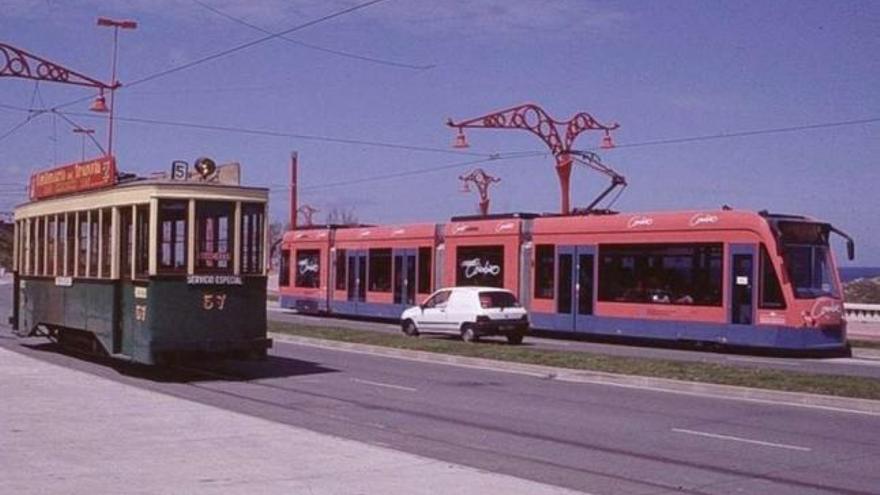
column 482, row 181
column 294, row 166
column 533, row 118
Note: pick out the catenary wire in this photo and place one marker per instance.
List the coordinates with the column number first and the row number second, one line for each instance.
column 340, row 53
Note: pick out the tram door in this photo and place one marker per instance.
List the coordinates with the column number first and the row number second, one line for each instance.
column 575, row 283
column 742, row 280
column 405, row 276
column 357, row 275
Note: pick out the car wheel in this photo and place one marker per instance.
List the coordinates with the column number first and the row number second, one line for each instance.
column 468, row 334
column 409, row 328
column 514, row 338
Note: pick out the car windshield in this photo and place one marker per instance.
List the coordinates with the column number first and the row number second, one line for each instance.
column 498, row 299
column 809, row 268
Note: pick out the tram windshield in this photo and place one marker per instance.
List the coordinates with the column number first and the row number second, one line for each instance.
column 808, row 259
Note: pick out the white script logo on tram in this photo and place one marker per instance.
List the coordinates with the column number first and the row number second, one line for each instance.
column 307, row 266
column 640, row 221
column 505, row 226
column 702, row 218
column 477, row 266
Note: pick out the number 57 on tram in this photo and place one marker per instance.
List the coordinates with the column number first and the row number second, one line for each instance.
column 144, row 270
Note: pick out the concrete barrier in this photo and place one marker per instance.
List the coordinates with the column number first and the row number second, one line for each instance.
column 869, row 313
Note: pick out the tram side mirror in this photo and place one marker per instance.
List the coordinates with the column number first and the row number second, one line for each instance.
column 850, row 249
column 205, row 167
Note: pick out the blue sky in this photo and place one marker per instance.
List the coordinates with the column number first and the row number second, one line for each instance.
column 663, row 70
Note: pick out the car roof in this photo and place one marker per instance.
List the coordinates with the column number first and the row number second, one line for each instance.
column 475, row 288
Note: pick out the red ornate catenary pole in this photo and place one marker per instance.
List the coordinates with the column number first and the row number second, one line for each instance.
column 16, row 62
column 533, row 118
column 307, row 211
column 482, row 180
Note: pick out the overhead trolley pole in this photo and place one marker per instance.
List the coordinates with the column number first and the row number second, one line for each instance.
column 533, row 118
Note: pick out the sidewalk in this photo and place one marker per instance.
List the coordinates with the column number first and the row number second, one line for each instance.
column 64, row 431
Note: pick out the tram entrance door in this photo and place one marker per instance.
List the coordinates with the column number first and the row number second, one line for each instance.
column 742, row 277
column 575, row 283
column 405, row 277
column 357, row 276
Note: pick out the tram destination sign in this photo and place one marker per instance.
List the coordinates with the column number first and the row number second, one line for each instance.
column 75, row 177
column 213, row 280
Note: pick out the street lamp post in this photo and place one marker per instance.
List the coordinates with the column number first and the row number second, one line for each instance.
column 84, row 133
column 116, row 25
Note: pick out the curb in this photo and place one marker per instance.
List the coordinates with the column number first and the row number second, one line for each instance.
column 729, row 392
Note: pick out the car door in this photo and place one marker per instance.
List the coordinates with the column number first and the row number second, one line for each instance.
column 433, row 314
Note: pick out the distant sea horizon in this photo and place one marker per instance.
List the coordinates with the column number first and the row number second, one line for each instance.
column 850, row 273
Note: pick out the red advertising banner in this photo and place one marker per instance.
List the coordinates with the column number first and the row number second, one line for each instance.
column 75, row 177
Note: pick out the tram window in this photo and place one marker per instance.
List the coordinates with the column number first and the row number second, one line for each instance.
column 284, row 269
column 172, row 235
column 770, row 291
column 308, row 268
column 94, row 238
column 341, row 266
column 71, row 245
column 480, row 265
column 126, row 236
column 545, row 255
column 661, row 273
column 62, row 245
column 142, row 249
column 51, row 245
column 424, row 270
column 379, row 274
column 252, row 220
column 83, row 244
column 213, row 236
column 106, row 233
column 36, row 240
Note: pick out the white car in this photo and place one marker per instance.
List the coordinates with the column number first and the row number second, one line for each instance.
column 469, row 311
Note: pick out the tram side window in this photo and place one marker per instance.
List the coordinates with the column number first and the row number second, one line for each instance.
column 83, row 244
column 126, row 237
column 284, row 269
column 106, row 233
column 71, row 245
column 424, row 270
column 37, row 243
column 379, row 271
column 545, row 255
column 252, row 220
column 94, row 239
column 480, row 265
column 172, row 235
column 341, row 266
column 308, row 268
column 661, row 273
column 142, row 240
column 770, row 291
column 51, row 245
column 214, row 236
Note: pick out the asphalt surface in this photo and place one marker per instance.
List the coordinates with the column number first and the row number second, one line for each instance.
column 864, row 362
column 594, row 438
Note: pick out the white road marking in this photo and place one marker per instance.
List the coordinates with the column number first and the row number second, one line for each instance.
column 743, row 440
column 386, row 385
column 855, row 361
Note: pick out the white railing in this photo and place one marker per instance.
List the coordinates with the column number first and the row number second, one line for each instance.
column 862, row 312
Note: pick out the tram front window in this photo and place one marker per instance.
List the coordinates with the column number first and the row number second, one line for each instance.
column 172, row 235
column 214, row 236
column 809, row 268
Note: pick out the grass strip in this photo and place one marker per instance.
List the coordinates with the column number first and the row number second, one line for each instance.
column 865, row 344
column 772, row 379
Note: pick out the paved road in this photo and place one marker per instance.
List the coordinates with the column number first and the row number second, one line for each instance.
column 595, row 438
column 863, row 363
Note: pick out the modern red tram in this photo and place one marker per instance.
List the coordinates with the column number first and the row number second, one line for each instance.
column 738, row 278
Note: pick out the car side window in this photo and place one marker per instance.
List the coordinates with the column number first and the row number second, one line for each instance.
column 438, row 300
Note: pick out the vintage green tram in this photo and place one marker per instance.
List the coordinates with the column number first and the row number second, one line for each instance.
column 147, row 270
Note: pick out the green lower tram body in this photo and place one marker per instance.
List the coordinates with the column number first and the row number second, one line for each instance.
column 146, row 321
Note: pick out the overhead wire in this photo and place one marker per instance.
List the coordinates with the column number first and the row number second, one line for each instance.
column 249, row 44
column 340, row 53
